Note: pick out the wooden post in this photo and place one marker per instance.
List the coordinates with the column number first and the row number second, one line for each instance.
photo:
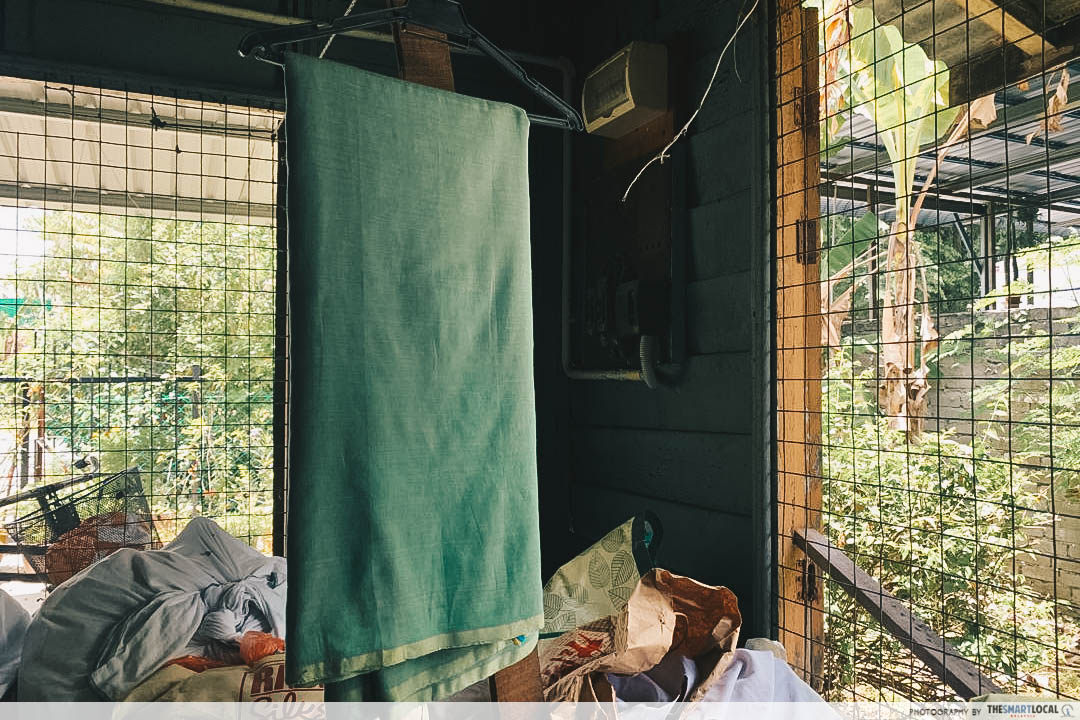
column 24, row 438
column 39, row 445
column 519, row 682
column 798, row 336
column 422, row 57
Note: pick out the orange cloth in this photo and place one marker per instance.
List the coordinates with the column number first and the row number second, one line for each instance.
column 254, row 646
column 195, row 663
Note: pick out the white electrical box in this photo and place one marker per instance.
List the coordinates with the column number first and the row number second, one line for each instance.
column 626, row 91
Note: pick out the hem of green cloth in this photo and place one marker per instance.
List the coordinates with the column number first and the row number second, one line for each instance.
column 320, row 673
column 427, row 687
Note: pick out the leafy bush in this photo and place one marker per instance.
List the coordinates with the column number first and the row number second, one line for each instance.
column 116, row 296
column 940, row 524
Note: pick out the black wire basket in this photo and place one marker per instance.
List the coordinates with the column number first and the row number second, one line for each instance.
column 62, row 507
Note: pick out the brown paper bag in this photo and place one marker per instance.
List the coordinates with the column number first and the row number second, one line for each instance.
column 665, row 613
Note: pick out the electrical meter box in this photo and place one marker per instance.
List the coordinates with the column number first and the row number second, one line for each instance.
column 626, row 91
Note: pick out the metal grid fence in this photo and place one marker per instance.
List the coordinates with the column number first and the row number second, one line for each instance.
column 139, row 321
column 928, row 347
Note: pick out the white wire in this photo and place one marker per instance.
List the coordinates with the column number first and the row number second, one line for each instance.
column 662, row 155
column 735, row 60
column 330, row 39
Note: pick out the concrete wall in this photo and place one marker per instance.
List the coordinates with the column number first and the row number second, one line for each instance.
column 1053, row 529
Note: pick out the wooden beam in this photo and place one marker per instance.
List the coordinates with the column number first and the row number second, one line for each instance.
column 423, row 55
column 1003, row 66
column 985, row 46
column 956, row 31
column 23, row 549
column 798, row 333
column 959, row 673
column 1013, row 31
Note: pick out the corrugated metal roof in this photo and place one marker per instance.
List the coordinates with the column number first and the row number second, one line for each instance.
column 999, row 163
column 81, row 147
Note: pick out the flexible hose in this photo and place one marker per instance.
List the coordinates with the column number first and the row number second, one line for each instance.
column 647, row 350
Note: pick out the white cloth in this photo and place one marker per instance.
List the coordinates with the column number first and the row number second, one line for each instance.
column 110, row 627
column 759, row 676
column 13, row 623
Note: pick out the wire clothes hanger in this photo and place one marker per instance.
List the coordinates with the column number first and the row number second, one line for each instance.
column 446, row 16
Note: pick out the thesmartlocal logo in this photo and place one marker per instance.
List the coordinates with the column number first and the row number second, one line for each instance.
column 1026, row 709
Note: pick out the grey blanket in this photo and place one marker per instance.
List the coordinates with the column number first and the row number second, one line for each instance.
column 110, row 627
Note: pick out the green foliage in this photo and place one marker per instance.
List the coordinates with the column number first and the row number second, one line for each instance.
column 846, row 239
column 950, row 274
column 941, row 525
column 116, row 296
column 951, row 277
column 938, row 524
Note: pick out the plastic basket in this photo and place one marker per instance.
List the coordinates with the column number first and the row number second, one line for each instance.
column 63, row 506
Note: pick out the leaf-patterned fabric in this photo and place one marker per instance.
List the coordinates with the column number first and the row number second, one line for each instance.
column 598, row 582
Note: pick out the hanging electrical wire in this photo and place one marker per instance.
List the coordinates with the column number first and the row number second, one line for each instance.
column 663, row 154
column 348, row 11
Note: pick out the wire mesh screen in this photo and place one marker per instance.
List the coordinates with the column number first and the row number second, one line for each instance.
column 138, row 328
column 114, row 506
column 928, row 346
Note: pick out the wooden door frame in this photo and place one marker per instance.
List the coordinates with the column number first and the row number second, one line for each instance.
column 797, row 351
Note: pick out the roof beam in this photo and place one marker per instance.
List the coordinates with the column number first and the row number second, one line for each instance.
column 1063, row 195
column 962, row 203
column 883, row 196
column 49, row 196
column 1042, row 161
column 112, row 116
column 1013, row 31
column 1008, row 117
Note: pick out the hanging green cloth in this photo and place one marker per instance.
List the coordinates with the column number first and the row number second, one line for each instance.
column 413, row 538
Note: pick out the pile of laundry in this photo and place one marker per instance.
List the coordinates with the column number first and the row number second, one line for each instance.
column 200, row 619
column 203, row 619
column 619, row 629
column 13, row 623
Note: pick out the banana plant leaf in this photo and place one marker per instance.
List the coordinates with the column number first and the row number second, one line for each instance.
column 841, row 252
column 901, row 90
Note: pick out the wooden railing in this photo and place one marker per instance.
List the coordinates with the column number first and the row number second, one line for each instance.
column 36, row 550
column 959, row 673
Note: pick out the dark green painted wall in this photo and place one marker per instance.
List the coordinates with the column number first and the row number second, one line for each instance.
column 696, row 453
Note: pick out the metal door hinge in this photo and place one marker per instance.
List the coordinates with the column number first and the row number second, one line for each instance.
column 806, row 241
column 797, row 107
column 809, row 585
